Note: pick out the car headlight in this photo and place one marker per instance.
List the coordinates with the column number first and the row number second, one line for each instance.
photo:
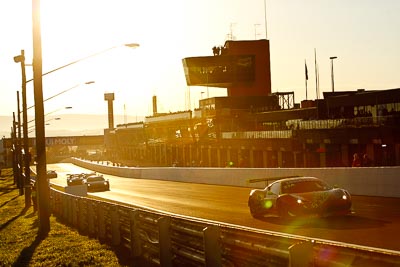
column 299, row 201
column 105, row 183
column 344, row 197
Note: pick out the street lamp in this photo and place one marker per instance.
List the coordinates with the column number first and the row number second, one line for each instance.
column 32, row 127
column 52, row 119
column 129, row 45
column 43, row 189
column 64, row 91
column 332, row 76
column 21, row 59
column 51, row 112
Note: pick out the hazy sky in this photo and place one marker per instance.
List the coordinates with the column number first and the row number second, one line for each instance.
column 363, row 34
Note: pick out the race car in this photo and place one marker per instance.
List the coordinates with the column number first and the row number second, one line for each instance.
column 299, row 196
column 78, row 178
column 96, row 183
column 51, row 174
column 74, row 179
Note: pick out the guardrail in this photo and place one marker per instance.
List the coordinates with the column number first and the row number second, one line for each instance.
column 170, row 240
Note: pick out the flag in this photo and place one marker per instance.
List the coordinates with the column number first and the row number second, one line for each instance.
column 306, row 70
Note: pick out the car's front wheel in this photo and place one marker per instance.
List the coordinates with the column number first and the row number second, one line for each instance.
column 284, row 210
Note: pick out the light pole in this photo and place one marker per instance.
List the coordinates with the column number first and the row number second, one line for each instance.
column 42, row 187
column 129, row 45
column 64, row 91
column 26, row 183
column 43, row 190
column 332, row 75
column 51, row 112
column 52, row 119
column 32, row 128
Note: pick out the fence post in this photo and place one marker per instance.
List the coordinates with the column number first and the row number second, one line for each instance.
column 212, row 249
column 164, row 240
column 51, row 202
column 101, row 221
column 301, row 254
column 136, row 248
column 82, row 214
column 70, row 205
column 115, row 231
column 56, row 206
column 90, row 219
column 64, row 210
column 74, row 211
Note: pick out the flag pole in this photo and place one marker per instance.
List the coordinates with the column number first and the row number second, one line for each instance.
column 306, row 72
column 316, row 73
column 265, row 19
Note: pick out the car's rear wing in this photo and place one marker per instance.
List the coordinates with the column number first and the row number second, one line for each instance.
column 268, row 179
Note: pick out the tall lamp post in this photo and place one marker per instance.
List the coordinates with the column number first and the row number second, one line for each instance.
column 332, row 75
column 32, row 120
column 43, row 190
column 27, row 171
column 47, row 122
column 42, row 187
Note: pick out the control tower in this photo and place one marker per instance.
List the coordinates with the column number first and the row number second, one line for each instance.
column 243, row 67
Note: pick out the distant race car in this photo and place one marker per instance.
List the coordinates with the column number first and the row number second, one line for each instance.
column 77, row 178
column 74, row 179
column 51, row 174
column 96, row 183
column 299, row 196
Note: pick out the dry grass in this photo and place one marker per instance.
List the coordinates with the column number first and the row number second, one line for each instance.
column 20, row 244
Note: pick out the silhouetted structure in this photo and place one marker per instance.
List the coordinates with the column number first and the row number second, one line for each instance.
column 267, row 129
column 227, row 129
column 253, row 127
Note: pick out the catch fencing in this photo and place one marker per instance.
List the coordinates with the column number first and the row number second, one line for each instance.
column 164, row 239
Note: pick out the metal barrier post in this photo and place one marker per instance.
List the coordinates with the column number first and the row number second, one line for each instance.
column 70, row 207
column 81, row 214
column 136, row 248
column 164, row 241
column 212, row 249
column 74, row 212
column 90, row 218
column 301, row 254
column 115, row 231
column 64, row 207
column 101, row 221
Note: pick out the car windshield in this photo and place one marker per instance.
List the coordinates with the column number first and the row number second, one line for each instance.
column 303, row 186
column 95, row 179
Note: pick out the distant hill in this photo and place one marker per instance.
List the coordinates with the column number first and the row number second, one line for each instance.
column 73, row 124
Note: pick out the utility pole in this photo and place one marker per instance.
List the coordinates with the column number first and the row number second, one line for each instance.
column 17, row 176
column 27, row 156
column 19, row 148
column 42, row 185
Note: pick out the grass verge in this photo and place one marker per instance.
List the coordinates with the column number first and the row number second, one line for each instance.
column 20, row 244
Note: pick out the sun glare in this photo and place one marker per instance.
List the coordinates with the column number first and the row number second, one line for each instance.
column 76, row 29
